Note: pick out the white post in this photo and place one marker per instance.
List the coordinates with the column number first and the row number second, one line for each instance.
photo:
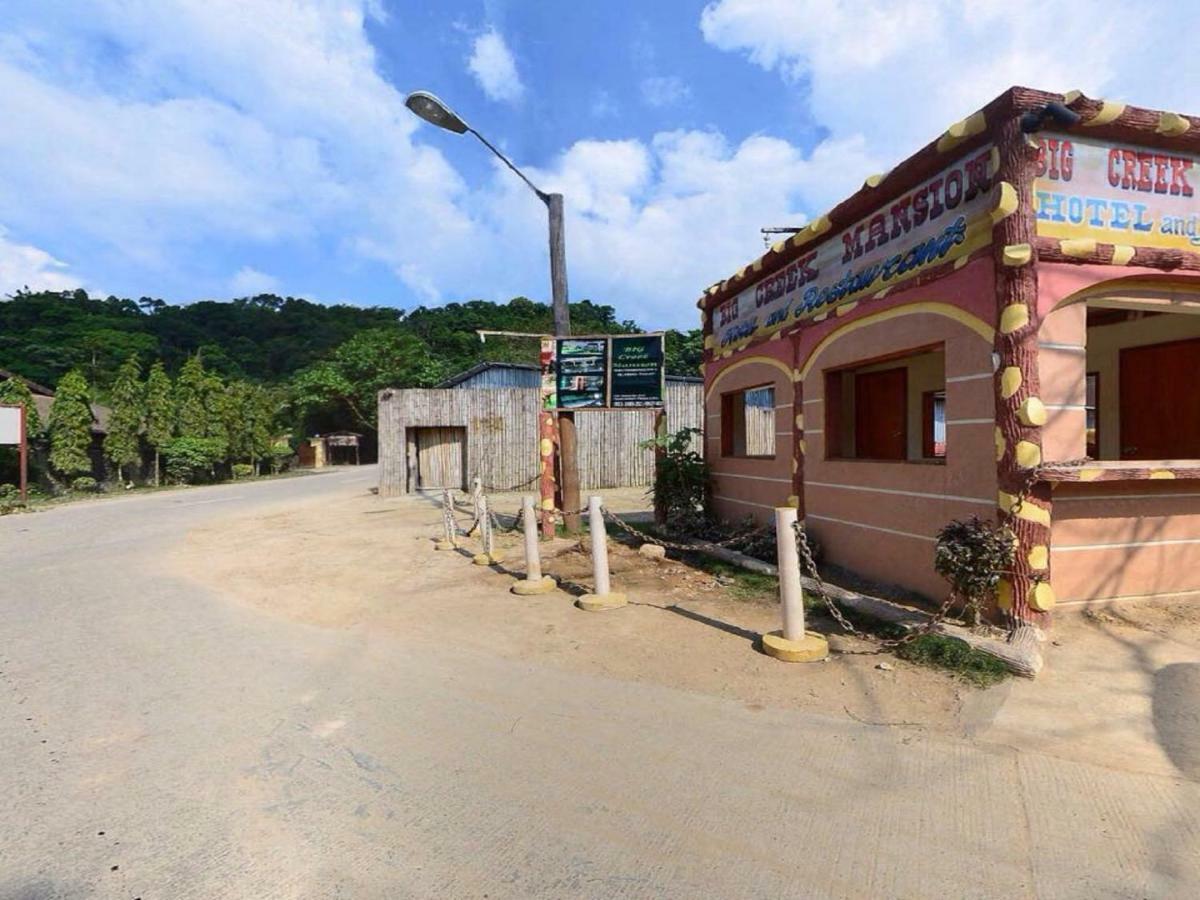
column 793, row 643
column 449, row 539
column 533, row 562
column 485, row 525
column 602, row 596
column 534, row 581
column 476, row 493
column 599, row 545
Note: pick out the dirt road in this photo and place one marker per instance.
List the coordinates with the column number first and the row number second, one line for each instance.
column 280, row 690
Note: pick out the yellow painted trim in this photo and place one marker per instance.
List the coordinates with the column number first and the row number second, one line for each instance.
column 1004, row 595
column 1090, row 474
column 873, row 181
column 1042, row 597
column 1014, row 317
column 1109, row 111
column 1001, row 444
column 1071, row 96
column 1078, row 248
column 1028, row 454
column 1039, row 556
column 1010, row 381
column 1172, row 124
column 1029, row 511
column 961, row 130
column 749, row 360
column 1007, row 202
column 1161, row 473
column 1017, row 254
column 927, row 307
column 1125, row 285
column 1122, row 255
column 1032, row 412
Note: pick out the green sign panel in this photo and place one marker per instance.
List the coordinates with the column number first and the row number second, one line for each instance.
column 637, row 371
column 582, row 367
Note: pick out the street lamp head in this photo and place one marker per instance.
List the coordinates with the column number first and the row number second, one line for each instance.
column 434, row 111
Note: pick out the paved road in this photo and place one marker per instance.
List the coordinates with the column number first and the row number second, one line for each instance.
column 160, row 741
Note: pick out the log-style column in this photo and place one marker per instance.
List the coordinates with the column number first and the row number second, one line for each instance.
column 798, row 445
column 548, row 439
column 1025, row 595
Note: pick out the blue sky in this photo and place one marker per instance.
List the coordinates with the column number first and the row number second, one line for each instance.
column 194, row 149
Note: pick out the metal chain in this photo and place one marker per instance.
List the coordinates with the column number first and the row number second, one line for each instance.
column 808, row 563
column 671, row 545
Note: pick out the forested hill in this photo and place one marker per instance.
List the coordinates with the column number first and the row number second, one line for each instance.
column 269, row 339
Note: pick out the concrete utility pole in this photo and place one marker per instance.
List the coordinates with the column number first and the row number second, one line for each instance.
column 435, row 112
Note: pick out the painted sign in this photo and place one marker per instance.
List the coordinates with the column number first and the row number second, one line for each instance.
column 10, row 426
column 637, row 371
column 942, row 219
column 1116, row 193
column 549, row 379
column 582, row 367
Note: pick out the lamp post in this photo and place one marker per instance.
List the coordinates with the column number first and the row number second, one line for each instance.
column 435, row 112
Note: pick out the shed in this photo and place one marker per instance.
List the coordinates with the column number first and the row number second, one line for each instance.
column 484, row 422
column 1004, row 325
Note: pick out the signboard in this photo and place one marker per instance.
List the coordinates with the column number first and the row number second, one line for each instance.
column 637, row 371
column 582, row 367
column 10, row 426
column 12, row 431
column 940, row 220
column 1116, row 193
column 603, row 371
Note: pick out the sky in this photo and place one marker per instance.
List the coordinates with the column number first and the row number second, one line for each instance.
column 209, row 149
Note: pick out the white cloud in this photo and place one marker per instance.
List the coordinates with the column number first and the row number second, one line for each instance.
column 492, row 64
column 665, row 90
column 249, row 282
column 26, row 266
column 899, row 71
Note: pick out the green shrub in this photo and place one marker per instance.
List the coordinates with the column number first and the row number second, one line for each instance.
column 192, row 459
column 681, row 482
column 84, row 484
column 959, row 657
column 243, row 470
column 972, row 555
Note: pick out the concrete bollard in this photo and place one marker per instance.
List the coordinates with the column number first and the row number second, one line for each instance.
column 603, row 597
column 534, row 581
column 449, row 540
column 489, row 556
column 792, row 643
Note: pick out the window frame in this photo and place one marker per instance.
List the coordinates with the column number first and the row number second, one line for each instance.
column 729, row 400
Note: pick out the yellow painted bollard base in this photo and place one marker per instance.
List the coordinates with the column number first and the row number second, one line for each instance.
column 486, row 559
column 525, row 587
column 811, row 648
column 444, row 545
column 601, row 602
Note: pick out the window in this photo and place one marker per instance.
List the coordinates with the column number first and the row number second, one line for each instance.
column 892, row 409
column 748, row 423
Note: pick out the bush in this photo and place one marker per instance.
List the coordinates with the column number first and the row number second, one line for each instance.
column 681, row 482
column 243, row 470
column 190, row 460
column 972, row 555
column 85, row 484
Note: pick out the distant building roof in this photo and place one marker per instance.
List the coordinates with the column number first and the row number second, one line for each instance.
column 33, row 386
column 43, row 399
column 484, row 367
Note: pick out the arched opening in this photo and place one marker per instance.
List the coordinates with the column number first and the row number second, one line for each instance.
column 1119, row 365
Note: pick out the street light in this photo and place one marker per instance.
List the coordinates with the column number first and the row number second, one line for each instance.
column 435, row 112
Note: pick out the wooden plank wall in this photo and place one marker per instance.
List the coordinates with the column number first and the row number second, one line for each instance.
column 502, row 435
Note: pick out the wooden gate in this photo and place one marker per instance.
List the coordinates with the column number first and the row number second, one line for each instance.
column 441, row 458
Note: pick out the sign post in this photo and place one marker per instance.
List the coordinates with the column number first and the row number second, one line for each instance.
column 12, row 433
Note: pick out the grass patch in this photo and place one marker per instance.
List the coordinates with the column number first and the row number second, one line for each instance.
column 942, row 652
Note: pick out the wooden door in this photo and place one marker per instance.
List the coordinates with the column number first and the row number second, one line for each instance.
column 441, row 458
column 881, row 414
column 1160, row 402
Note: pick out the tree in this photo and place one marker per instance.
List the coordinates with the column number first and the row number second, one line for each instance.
column 360, row 368
column 685, row 350
column 191, row 414
column 122, row 444
column 71, row 426
column 15, row 392
column 160, row 413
